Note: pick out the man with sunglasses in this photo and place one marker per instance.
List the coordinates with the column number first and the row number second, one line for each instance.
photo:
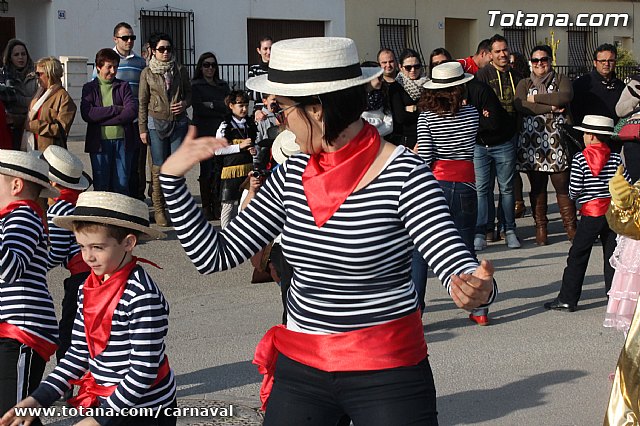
column 598, row 92
column 495, row 153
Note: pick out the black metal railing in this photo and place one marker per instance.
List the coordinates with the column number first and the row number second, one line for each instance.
column 573, row 72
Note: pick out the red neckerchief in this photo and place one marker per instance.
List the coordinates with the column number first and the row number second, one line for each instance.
column 68, row 195
column 330, row 177
column 397, row 343
column 597, row 155
column 29, row 203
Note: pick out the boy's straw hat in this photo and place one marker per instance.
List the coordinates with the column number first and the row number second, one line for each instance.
column 597, row 124
column 312, row 66
column 445, row 75
column 284, row 146
column 111, row 208
column 65, row 168
column 28, row 167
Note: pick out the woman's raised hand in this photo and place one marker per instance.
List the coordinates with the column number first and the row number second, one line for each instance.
column 469, row 291
column 192, row 151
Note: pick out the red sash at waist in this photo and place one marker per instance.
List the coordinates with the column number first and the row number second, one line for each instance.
column 397, row 343
column 454, row 170
column 90, row 390
column 77, row 265
column 43, row 347
column 596, row 207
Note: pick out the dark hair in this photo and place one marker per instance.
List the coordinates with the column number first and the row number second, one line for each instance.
column 495, row 39
column 265, row 38
column 206, row 55
column 113, row 231
column 484, row 45
column 121, row 25
column 106, row 55
column 155, row 38
column 442, row 101
column 408, row 53
column 543, row 47
column 520, row 64
column 6, row 56
column 436, row 52
column 605, row 48
column 339, row 109
column 236, row 97
column 383, row 50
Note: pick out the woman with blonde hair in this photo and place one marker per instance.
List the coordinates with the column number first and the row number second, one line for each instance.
column 52, row 110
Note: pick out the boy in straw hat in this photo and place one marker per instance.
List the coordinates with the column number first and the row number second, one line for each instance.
column 65, row 174
column 117, row 349
column 591, row 171
column 28, row 327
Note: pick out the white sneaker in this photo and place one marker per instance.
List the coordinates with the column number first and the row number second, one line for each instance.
column 479, row 243
column 512, row 239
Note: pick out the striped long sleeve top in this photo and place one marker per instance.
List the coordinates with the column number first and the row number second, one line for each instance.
column 448, row 136
column 25, row 301
column 62, row 242
column 584, row 186
column 354, row 271
column 131, row 358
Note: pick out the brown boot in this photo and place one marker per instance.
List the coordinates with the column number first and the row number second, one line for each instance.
column 568, row 215
column 158, row 199
column 520, row 209
column 539, row 212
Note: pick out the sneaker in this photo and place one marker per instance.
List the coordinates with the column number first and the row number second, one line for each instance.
column 511, row 239
column 479, row 243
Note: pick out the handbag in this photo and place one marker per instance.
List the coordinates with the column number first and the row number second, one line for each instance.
column 164, row 128
column 571, row 140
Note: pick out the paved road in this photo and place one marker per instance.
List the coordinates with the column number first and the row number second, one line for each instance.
column 529, row 366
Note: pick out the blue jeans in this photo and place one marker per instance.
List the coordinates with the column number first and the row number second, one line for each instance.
column 111, row 166
column 161, row 148
column 495, row 162
column 463, row 204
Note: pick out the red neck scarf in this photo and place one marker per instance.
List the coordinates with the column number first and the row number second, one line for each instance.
column 597, row 155
column 330, row 177
column 29, row 203
column 68, row 195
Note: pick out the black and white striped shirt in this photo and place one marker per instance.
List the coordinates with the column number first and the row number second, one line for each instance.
column 354, row 271
column 584, row 186
column 25, row 301
column 448, row 136
column 133, row 354
column 62, row 242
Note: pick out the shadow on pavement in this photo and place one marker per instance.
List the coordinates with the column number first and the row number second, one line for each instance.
column 218, row 378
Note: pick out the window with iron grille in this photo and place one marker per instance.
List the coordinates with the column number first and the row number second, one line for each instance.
column 400, row 34
column 520, row 39
column 581, row 45
column 179, row 24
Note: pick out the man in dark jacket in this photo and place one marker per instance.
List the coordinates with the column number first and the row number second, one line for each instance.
column 109, row 108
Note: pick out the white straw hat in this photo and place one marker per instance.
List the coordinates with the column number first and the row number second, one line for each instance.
column 596, row 124
column 312, row 66
column 28, row 167
column 448, row 74
column 111, row 208
column 65, row 168
column 284, row 146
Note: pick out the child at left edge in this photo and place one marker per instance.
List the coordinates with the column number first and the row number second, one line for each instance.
column 117, row 354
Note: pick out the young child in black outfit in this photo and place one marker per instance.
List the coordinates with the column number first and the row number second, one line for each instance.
column 241, row 131
column 117, row 348
column 591, row 171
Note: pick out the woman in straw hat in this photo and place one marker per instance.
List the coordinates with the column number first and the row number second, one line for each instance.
column 350, row 208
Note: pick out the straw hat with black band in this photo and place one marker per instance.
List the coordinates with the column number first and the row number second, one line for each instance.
column 448, row 74
column 111, row 208
column 312, row 66
column 284, row 146
column 65, row 168
column 596, row 124
column 28, row 167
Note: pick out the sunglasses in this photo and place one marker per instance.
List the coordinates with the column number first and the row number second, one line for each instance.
column 39, row 74
column 209, row 65
column 543, row 60
column 163, row 49
column 606, row 61
column 281, row 116
column 127, row 38
column 412, row 67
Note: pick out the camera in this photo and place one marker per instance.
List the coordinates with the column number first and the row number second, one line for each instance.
column 274, row 107
column 260, row 173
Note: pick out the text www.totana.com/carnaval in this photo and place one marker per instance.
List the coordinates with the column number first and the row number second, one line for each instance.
column 225, row 411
